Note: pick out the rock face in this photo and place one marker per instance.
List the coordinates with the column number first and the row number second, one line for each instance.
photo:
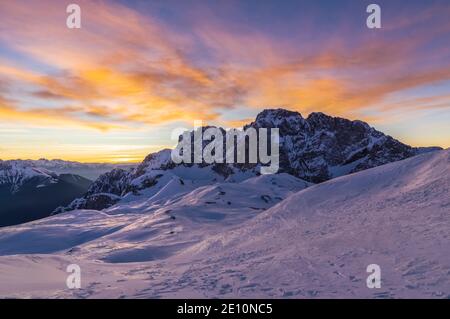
column 315, row 149
column 114, row 182
column 109, row 187
column 322, row 147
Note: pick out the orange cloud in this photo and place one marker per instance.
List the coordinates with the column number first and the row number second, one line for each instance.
column 47, row 117
column 125, row 69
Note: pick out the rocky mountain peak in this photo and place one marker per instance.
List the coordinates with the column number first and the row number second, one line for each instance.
column 277, row 117
column 158, row 160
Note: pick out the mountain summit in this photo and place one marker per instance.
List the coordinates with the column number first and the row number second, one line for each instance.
column 322, row 147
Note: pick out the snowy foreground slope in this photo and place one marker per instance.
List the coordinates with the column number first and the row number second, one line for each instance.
column 316, row 243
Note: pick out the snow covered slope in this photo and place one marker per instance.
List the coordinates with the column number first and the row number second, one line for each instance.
column 315, row 243
column 318, row 242
column 162, row 220
column 157, row 176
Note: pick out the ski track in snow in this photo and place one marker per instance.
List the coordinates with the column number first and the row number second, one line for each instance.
column 276, row 239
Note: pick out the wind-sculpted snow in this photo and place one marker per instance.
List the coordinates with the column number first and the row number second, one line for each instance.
column 266, row 236
column 175, row 217
column 318, row 242
column 54, row 234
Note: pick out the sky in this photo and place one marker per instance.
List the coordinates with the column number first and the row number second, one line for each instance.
column 115, row 90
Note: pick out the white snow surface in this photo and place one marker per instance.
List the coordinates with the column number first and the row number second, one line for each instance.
column 265, row 237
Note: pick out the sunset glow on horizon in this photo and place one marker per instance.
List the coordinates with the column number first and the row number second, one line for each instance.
column 114, row 90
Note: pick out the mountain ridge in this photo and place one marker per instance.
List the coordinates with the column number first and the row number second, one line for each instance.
column 315, row 149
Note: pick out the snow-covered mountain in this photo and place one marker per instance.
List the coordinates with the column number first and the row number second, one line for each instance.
column 15, row 174
column 88, row 170
column 314, row 149
column 264, row 236
column 220, row 230
column 176, row 215
column 156, row 172
column 28, row 192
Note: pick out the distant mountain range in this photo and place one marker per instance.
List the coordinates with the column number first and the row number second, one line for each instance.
column 88, row 170
column 30, row 190
column 28, row 193
column 314, row 149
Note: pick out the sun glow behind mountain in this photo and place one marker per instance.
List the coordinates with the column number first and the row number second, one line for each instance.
column 113, row 90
